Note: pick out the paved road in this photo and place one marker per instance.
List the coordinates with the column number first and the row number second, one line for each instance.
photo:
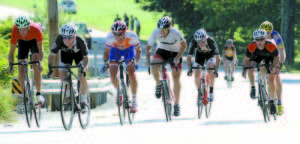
column 235, row 118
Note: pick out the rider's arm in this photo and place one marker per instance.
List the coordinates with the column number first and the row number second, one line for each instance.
column 192, row 46
column 218, row 59
column 148, row 52
column 11, row 53
column 282, row 52
column 138, row 52
column 276, row 58
column 106, row 53
column 55, row 49
column 85, row 61
column 41, row 50
column 51, row 58
column 182, row 49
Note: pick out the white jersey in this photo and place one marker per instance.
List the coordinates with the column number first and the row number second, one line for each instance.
column 130, row 40
column 171, row 42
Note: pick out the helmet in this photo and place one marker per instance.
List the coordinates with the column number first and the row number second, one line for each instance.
column 164, row 22
column 22, row 22
column 268, row 26
column 68, row 30
column 229, row 41
column 200, row 35
column 259, row 33
column 119, row 26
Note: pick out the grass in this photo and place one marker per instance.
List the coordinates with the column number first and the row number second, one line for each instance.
column 98, row 13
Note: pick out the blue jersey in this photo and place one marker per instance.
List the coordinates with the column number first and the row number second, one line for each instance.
column 276, row 37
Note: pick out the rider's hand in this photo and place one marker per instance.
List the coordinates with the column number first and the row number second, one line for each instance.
column 136, row 66
column 41, row 68
column 106, row 66
column 216, row 74
column 176, row 61
column 190, row 73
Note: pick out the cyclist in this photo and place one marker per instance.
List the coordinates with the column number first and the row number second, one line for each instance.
column 229, row 56
column 171, row 46
column 262, row 49
column 120, row 42
column 71, row 47
column 206, row 50
column 274, row 35
column 29, row 37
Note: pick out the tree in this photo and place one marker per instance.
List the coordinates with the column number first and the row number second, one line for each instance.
column 288, row 10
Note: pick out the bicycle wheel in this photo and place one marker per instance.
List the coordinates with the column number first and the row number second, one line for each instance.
column 229, row 82
column 84, row 115
column 121, row 109
column 208, row 105
column 166, row 97
column 27, row 103
column 200, row 105
column 67, row 105
column 264, row 106
column 37, row 110
column 126, row 100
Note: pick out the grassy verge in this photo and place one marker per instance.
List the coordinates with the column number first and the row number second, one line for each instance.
column 98, row 13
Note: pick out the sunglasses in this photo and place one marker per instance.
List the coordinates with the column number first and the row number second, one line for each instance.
column 118, row 33
column 68, row 37
column 261, row 39
column 163, row 30
column 201, row 41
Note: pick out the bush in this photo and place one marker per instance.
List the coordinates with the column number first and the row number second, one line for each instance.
column 7, row 104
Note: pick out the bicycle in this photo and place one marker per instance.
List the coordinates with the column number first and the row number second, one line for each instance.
column 229, row 72
column 167, row 93
column 203, row 91
column 124, row 90
column 28, row 99
column 263, row 94
column 69, row 104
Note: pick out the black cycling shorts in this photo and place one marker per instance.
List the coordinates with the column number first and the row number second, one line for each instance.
column 267, row 60
column 167, row 55
column 24, row 47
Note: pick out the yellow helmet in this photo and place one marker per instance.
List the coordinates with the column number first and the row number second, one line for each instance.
column 268, row 26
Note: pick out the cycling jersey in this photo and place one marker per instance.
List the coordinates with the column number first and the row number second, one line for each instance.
column 229, row 52
column 125, row 47
column 33, row 33
column 202, row 56
column 267, row 54
column 78, row 51
column 170, row 42
column 277, row 38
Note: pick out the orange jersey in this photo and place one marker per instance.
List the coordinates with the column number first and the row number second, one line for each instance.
column 270, row 48
column 34, row 33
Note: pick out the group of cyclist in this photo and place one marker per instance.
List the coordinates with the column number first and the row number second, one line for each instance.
column 171, row 45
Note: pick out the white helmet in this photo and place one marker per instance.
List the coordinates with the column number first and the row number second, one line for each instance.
column 164, row 22
column 200, row 35
column 68, row 30
column 22, row 22
column 259, row 33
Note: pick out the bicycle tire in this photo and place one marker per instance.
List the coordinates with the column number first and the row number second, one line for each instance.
column 200, row 105
column 121, row 109
column 263, row 103
column 84, row 117
column 229, row 76
column 37, row 110
column 165, row 96
column 27, row 103
column 126, row 101
column 67, row 104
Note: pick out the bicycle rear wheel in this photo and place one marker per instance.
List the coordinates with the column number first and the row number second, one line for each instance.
column 166, row 97
column 84, row 115
column 27, row 103
column 67, row 105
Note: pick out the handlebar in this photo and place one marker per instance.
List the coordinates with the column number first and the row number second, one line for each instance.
column 23, row 63
column 164, row 62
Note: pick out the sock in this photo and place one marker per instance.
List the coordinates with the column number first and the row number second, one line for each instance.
column 133, row 98
column 38, row 93
column 279, row 102
column 211, row 89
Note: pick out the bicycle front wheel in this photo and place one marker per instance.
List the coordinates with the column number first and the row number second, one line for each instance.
column 84, row 114
column 166, row 100
column 122, row 108
column 37, row 115
column 27, row 102
column 200, row 103
column 67, row 105
column 126, row 101
column 263, row 104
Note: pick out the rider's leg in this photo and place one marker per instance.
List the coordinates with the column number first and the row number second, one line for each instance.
column 251, row 78
column 197, row 77
column 156, row 74
column 225, row 69
column 132, row 78
column 177, row 87
column 21, row 74
column 232, row 69
column 279, row 94
column 271, row 82
column 37, row 72
column 211, row 64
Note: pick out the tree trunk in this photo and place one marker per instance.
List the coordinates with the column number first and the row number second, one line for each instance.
column 287, row 28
